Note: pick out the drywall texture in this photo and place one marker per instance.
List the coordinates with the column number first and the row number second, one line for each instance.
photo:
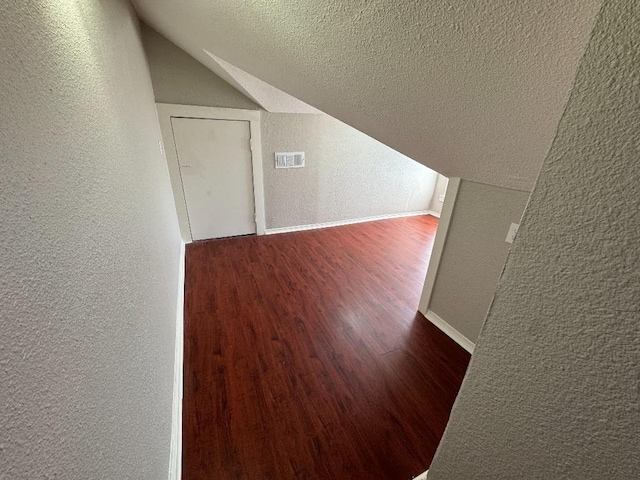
column 348, row 175
column 474, row 254
column 90, row 248
column 553, row 387
column 470, row 89
column 440, row 189
column 269, row 97
column 180, row 79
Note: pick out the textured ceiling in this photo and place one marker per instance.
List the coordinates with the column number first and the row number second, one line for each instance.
column 267, row 96
column 469, row 88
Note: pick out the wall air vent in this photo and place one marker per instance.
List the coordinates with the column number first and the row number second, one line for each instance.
column 290, row 160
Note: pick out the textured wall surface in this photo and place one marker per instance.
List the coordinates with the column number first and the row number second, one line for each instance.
column 89, row 248
column 348, row 175
column 553, row 387
column 269, row 97
column 474, row 254
column 440, row 189
column 470, row 89
column 179, row 78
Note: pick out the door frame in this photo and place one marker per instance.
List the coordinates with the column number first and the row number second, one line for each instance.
column 167, row 111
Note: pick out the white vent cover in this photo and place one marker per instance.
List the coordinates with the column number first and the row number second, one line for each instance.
column 290, row 160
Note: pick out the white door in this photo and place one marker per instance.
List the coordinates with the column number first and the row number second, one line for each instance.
column 214, row 157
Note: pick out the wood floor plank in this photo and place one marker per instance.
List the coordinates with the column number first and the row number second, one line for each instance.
column 305, row 357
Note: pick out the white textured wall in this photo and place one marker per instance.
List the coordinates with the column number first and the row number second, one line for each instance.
column 348, row 175
column 440, row 189
column 89, row 248
column 179, row 78
column 472, row 89
column 553, row 387
column 474, row 254
column 268, row 96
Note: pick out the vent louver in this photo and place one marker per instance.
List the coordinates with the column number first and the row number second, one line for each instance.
column 290, row 160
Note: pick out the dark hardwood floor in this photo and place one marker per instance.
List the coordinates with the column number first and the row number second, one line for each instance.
column 305, row 357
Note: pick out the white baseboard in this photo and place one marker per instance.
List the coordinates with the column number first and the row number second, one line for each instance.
column 451, row 332
column 175, row 452
column 422, row 476
column 299, row 228
column 433, row 214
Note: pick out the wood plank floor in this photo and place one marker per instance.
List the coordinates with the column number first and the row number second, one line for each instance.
column 305, row 358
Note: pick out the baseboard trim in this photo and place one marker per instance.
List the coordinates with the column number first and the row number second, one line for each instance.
column 422, row 476
column 451, row 332
column 175, row 452
column 314, row 226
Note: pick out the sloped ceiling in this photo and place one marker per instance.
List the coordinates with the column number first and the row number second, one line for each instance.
column 469, row 88
column 268, row 97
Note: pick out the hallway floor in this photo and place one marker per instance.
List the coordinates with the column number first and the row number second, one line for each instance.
column 305, row 358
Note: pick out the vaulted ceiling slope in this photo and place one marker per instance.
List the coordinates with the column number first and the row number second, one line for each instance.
column 269, row 97
column 469, row 88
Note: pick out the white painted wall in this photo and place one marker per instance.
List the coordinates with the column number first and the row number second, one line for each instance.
column 473, row 255
column 552, row 391
column 269, row 97
column 439, row 190
column 89, row 248
column 179, row 78
column 348, row 175
column 471, row 89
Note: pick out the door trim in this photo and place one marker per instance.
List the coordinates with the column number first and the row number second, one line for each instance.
column 166, row 111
